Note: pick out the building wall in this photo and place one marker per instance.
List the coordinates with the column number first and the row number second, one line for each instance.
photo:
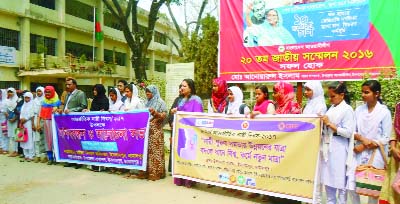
column 21, row 15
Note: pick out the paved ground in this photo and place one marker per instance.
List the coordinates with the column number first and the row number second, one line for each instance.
column 31, row 183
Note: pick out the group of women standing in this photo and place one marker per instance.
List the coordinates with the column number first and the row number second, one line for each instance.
column 348, row 139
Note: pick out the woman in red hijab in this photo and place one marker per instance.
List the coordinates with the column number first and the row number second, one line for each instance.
column 219, row 96
column 284, row 95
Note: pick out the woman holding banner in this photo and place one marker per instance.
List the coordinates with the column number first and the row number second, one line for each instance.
column 155, row 157
column 315, row 105
column 50, row 105
column 284, row 95
column 132, row 101
column 219, row 96
column 190, row 102
column 263, row 104
column 337, row 143
column 114, row 100
column 235, row 102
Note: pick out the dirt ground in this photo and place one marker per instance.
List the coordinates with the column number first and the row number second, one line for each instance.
column 31, row 183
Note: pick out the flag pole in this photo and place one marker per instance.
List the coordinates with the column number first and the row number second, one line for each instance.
column 94, row 32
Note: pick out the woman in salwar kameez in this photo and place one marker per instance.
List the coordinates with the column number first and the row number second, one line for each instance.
column 26, row 121
column 373, row 128
column 190, row 102
column 337, row 144
column 388, row 195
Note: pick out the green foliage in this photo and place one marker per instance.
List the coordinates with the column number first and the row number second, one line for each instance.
column 82, row 59
column 160, row 83
column 390, row 89
column 202, row 49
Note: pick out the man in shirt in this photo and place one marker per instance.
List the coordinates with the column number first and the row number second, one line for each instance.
column 75, row 101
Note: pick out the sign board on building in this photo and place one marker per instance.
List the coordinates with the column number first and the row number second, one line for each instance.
column 7, row 55
column 174, row 76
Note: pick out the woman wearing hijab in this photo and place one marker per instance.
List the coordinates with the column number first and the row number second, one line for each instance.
column 11, row 105
column 132, row 101
column 315, row 105
column 219, row 96
column 284, row 95
column 316, row 100
column 50, row 105
column 38, row 136
column 100, row 100
column 26, row 121
column 155, row 158
column 3, row 122
column 235, row 102
column 114, row 100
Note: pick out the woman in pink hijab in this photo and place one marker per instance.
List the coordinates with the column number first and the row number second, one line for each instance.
column 284, row 95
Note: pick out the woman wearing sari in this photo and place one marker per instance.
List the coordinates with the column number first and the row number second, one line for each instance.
column 388, row 195
column 50, row 105
column 219, row 96
column 155, row 158
column 190, row 102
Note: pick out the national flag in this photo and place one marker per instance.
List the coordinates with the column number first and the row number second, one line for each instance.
column 97, row 28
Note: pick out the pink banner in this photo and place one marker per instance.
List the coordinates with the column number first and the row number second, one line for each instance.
column 329, row 40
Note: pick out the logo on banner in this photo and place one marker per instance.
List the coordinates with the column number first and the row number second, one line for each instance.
column 204, row 123
column 245, row 125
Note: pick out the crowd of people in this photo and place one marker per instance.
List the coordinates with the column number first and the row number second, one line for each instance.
column 349, row 137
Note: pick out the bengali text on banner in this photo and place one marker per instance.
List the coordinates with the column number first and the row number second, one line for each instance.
column 102, row 138
column 272, row 155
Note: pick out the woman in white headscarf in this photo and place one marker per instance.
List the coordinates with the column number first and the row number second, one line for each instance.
column 115, row 100
column 12, row 120
column 132, row 101
column 3, row 122
column 38, row 136
column 26, row 121
column 315, row 95
column 315, row 105
column 235, row 105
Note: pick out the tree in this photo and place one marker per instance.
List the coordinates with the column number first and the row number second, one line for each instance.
column 199, row 45
column 182, row 34
column 202, row 49
column 137, row 41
